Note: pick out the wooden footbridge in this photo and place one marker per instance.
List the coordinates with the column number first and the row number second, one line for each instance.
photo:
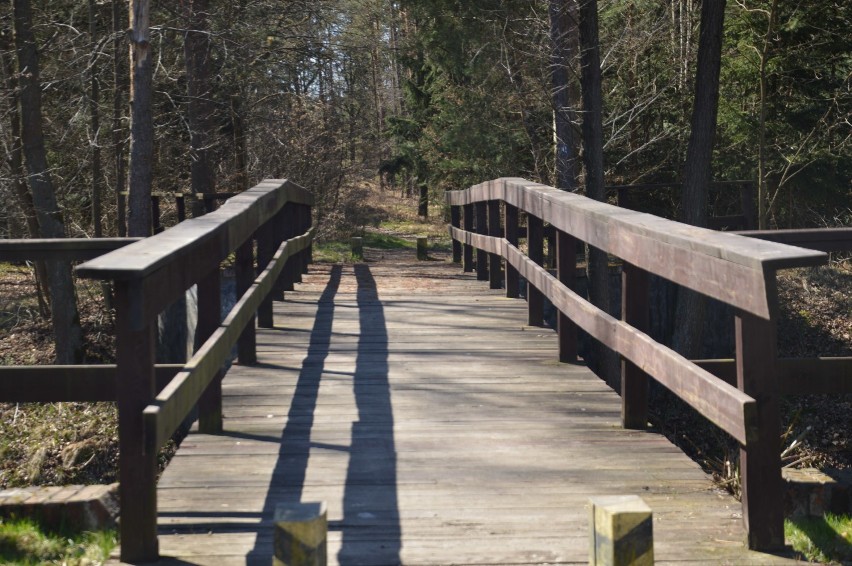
column 433, row 413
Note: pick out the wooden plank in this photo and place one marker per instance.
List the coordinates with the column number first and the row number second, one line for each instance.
column 56, row 384
column 796, row 376
column 70, row 249
column 822, row 239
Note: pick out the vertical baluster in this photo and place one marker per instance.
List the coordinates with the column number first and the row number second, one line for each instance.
column 455, row 221
column 566, row 267
column 511, row 235
column 247, row 343
column 468, row 249
column 209, row 317
column 137, row 467
column 495, row 271
column 535, row 243
column 634, row 382
column 265, row 238
column 760, row 461
column 481, row 228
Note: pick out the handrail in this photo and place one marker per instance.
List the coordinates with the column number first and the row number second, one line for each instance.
column 148, row 276
column 68, row 249
column 736, row 270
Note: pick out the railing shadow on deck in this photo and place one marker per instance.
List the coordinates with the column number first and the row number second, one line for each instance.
column 370, row 504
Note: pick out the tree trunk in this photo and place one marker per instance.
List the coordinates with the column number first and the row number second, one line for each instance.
column 561, row 40
column 200, row 108
column 762, row 192
column 593, row 158
column 66, row 321
column 142, row 125
column 15, row 160
column 120, row 87
column 689, row 316
column 95, row 117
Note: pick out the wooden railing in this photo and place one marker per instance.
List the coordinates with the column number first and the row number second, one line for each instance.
column 148, row 275
column 733, row 269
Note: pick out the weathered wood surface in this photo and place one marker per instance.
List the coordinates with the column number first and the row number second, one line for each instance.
column 438, row 427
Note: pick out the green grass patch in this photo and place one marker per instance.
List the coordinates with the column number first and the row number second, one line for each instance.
column 826, row 539
column 332, row 252
column 387, row 242
column 24, row 543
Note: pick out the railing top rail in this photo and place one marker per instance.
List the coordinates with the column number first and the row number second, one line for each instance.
column 724, row 266
column 193, row 240
column 59, row 248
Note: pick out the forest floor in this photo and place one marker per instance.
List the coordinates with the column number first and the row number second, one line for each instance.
column 59, row 443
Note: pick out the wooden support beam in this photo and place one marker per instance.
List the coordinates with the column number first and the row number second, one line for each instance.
column 264, row 237
column 422, row 248
column 566, row 269
column 621, row 532
column 634, row 381
column 244, row 267
column 209, row 316
column 356, row 243
column 481, row 228
column 535, row 245
column 510, row 231
column 467, row 248
column 300, row 534
column 495, row 262
column 455, row 221
column 137, row 467
column 760, row 459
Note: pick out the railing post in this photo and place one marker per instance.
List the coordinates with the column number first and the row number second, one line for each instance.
column 511, row 235
column 481, row 228
column 495, row 270
column 299, row 266
column 291, row 219
column 279, row 230
column 180, row 201
column 634, row 382
column 566, row 271
column 455, row 222
column 264, row 236
column 468, row 249
column 244, row 268
column 137, row 468
column 747, row 199
column 760, row 461
column 307, row 253
column 209, row 318
column 535, row 245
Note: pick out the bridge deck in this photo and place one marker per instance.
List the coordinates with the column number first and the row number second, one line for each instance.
column 438, row 429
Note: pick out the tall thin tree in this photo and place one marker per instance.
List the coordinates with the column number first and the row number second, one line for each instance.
column 63, row 302
column 593, row 159
column 142, row 125
column 691, row 307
